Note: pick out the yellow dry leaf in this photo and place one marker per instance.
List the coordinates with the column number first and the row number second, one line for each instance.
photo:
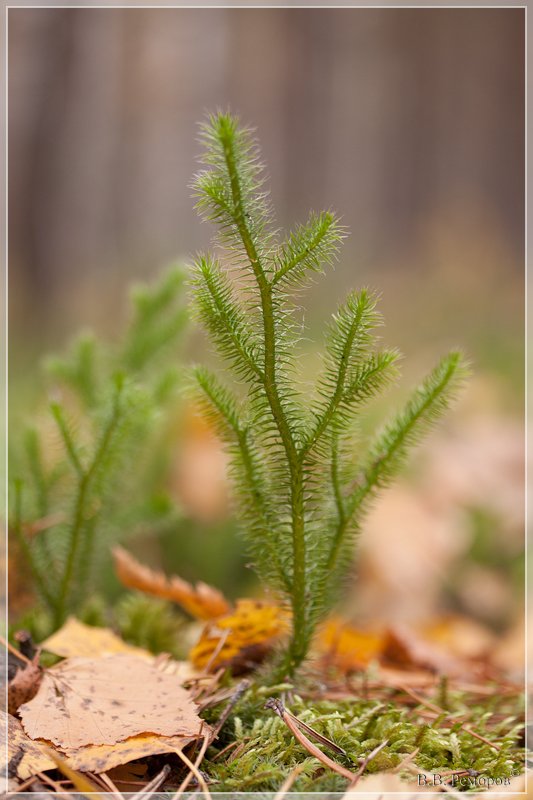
column 347, row 647
column 33, row 760
column 247, row 636
column 85, row 701
column 75, row 639
column 100, row 758
column 202, row 601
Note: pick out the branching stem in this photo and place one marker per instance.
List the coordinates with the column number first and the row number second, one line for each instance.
column 80, row 509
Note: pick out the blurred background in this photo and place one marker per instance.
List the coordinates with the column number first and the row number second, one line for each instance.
column 407, row 121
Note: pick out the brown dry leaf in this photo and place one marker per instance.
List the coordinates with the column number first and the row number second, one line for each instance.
column 346, row 647
column 103, row 701
column 86, row 641
column 24, row 757
column 247, row 634
column 100, row 758
column 404, row 649
column 202, row 601
column 24, row 685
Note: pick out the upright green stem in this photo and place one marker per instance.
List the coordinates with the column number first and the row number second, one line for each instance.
column 79, row 516
column 298, row 645
column 17, row 528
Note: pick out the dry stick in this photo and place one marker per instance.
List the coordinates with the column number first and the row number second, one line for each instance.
column 406, row 760
column 216, row 651
column 198, row 737
column 26, row 783
column 214, row 699
column 14, row 651
column 287, row 783
column 367, row 760
column 279, row 709
column 236, row 753
column 481, row 738
column 439, row 711
column 56, row 787
column 317, row 736
column 154, row 784
column 197, row 763
column 194, row 769
column 229, row 747
column 421, row 700
column 108, row 783
column 210, row 686
column 240, row 690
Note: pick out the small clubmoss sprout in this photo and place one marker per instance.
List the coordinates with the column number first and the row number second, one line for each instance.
column 80, row 478
column 302, row 478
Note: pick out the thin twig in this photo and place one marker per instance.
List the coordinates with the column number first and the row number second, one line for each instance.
column 216, row 651
column 406, row 760
column 194, row 769
column 214, row 699
column 481, row 738
column 109, row 785
column 236, row 753
column 279, row 709
column 287, row 783
column 154, row 784
column 367, row 760
column 210, row 686
column 421, row 700
column 317, row 736
column 56, row 787
column 14, row 651
column 26, row 783
column 240, row 690
column 440, row 711
column 229, row 747
column 197, row 763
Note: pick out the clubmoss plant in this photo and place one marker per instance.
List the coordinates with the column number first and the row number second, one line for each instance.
column 303, row 480
column 77, row 477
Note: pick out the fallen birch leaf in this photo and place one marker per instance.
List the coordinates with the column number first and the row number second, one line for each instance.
column 25, row 685
column 202, row 601
column 24, row 756
column 244, row 637
column 85, row 701
column 100, row 758
column 75, row 638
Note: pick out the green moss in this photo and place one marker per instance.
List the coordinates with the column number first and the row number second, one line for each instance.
column 270, row 750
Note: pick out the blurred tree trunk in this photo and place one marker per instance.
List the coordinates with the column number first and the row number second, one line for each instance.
column 385, row 114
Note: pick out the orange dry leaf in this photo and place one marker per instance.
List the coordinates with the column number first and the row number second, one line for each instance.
column 85, row 701
column 75, row 638
column 100, row 758
column 33, row 759
column 202, row 601
column 346, row 647
column 242, row 638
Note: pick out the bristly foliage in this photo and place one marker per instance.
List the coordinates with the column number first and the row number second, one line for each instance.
column 72, row 484
column 301, row 483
